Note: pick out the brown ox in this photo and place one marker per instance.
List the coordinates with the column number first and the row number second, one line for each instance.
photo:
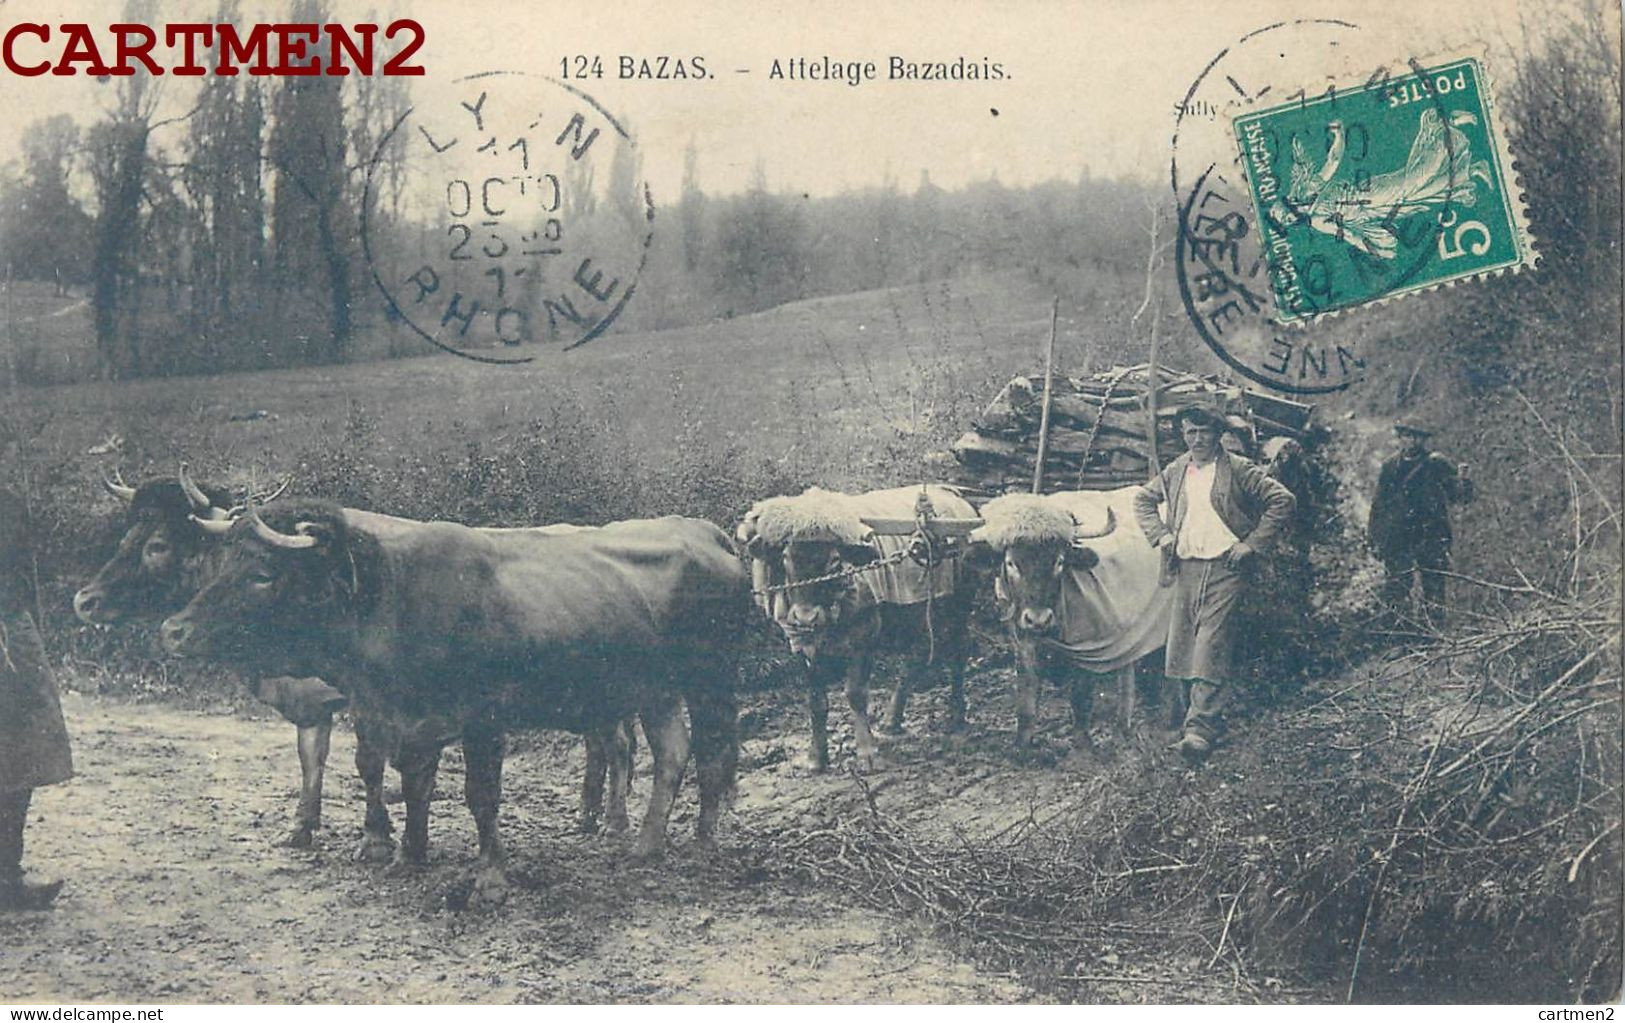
column 450, row 633
column 1078, row 586
column 163, row 559
column 808, row 556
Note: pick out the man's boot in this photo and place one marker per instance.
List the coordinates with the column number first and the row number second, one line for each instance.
column 15, row 893
column 1193, row 749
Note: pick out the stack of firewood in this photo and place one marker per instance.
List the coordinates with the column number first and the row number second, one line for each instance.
column 1099, row 428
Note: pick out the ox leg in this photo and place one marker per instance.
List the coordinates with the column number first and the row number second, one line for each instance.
column 314, row 742
column 482, row 790
column 623, row 751
column 667, row 733
column 857, row 697
column 1083, row 706
column 370, row 759
column 592, row 785
column 609, row 757
column 417, row 767
column 818, row 707
column 1128, row 694
column 956, row 694
column 1027, row 680
column 906, row 685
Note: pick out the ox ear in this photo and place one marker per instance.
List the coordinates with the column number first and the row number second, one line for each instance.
column 321, row 532
column 859, row 553
column 1080, row 558
column 756, row 547
column 979, row 554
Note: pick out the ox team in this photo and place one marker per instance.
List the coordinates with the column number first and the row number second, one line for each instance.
column 435, row 633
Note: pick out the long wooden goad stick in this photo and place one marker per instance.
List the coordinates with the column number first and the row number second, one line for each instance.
column 1049, row 387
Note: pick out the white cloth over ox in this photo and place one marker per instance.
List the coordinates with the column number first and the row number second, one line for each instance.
column 907, row 581
column 1115, row 613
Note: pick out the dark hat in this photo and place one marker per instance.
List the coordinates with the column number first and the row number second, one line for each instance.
column 1412, row 425
column 1201, row 415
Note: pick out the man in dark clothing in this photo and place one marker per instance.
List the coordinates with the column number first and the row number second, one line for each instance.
column 1410, row 518
column 33, row 740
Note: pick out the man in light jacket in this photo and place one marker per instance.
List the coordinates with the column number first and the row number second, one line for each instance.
column 1221, row 511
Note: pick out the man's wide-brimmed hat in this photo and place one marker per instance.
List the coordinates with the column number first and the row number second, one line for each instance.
column 1412, row 425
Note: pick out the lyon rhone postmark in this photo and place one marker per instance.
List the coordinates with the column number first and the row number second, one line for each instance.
column 524, row 218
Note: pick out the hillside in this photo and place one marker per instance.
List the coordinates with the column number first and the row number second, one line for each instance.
column 1398, row 816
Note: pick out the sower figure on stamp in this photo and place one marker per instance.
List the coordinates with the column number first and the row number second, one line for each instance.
column 1410, row 519
column 33, row 740
column 1221, row 511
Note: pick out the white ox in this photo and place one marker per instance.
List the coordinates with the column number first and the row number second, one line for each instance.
column 1077, row 583
column 809, row 569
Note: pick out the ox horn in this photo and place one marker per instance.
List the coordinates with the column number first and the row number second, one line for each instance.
column 287, row 541
column 202, row 507
column 265, row 498
column 214, row 527
column 275, row 492
column 1111, row 524
column 116, row 486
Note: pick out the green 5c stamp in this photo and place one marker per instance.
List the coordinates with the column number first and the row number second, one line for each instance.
column 1394, row 186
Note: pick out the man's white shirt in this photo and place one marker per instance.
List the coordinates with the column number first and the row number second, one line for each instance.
column 1202, row 534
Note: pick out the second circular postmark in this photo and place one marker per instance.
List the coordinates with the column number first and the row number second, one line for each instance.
column 1314, row 173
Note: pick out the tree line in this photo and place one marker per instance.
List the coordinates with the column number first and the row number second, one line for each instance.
column 227, row 236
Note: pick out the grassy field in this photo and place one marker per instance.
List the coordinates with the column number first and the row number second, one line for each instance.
column 851, row 374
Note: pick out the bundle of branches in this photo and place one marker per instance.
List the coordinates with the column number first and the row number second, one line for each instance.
column 1103, row 896
column 1099, row 427
column 1488, row 845
column 1443, row 826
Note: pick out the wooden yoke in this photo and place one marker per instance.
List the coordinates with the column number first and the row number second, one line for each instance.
column 926, row 529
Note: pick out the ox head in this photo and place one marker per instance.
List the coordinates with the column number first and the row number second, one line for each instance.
column 807, row 544
column 1035, row 542
column 153, row 571
column 1282, row 457
column 281, row 578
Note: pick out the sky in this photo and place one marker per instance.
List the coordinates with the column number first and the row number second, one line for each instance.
column 1088, row 85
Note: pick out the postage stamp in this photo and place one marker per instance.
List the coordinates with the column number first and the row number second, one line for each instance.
column 1392, row 186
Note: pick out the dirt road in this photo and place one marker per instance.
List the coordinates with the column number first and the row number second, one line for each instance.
column 178, row 893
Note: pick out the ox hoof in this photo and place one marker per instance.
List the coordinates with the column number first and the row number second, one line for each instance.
column 490, row 890
column 1083, row 752
column 374, row 849
column 811, row 764
column 301, row 837
column 405, row 864
column 874, row 763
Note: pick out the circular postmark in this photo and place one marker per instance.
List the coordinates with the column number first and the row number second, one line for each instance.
column 508, row 210
column 1287, row 206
